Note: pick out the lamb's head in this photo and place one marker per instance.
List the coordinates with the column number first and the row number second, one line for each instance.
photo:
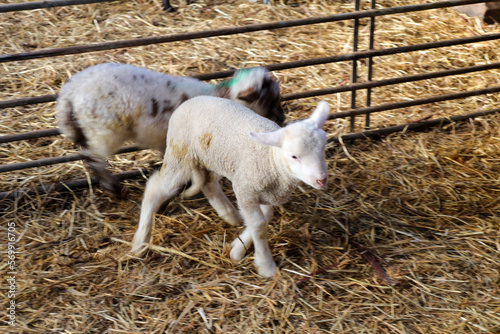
column 255, row 89
column 301, row 147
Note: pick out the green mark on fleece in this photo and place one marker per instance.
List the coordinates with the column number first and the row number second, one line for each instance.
column 241, row 74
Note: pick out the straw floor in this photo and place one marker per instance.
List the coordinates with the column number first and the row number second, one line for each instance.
column 404, row 240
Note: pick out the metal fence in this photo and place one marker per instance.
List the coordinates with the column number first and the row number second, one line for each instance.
column 354, row 57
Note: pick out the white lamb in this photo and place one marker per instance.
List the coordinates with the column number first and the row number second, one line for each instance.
column 264, row 162
column 105, row 105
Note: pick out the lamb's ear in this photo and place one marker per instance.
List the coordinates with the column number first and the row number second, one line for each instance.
column 274, row 138
column 248, row 95
column 320, row 114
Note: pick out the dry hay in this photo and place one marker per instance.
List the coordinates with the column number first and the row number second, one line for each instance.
column 405, row 240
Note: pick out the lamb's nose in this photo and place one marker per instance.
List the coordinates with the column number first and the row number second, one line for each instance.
column 322, row 182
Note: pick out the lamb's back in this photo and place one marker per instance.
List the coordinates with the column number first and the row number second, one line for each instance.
column 107, row 90
column 215, row 132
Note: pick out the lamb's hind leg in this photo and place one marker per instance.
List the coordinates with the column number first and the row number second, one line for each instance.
column 268, row 211
column 225, row 209
column 161, row 186
column 109, row 182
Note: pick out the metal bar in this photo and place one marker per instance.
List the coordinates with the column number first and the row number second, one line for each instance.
column 296, row 64
column 45, row 4
column 294, row 96
column 415, row 126
column 27, row 101
column 55, row 160
column 383, row 52
column 391, row 81
column 229, row 31
column 369, row 77
column 406, row 104
column 66, row 186
column 354, row 112
column 354, row 63
column 29, row 135
column 39, row 163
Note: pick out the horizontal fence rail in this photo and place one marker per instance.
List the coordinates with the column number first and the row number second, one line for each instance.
column 230, row 31
column 27, row 101
column 392, row 81
column 349, row 113
column 412, row 103
column 414, row 126
column 317, row 61
column 353, row 87
column 333, row 90
column 70, row 185
column 46, row 4
column 54, row 161
column 29, row 135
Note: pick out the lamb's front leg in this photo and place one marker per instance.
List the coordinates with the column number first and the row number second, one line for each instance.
column 241, row 244
column 256, row 231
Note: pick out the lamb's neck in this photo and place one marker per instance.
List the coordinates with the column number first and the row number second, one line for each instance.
column 279, row 164
column 221, row 90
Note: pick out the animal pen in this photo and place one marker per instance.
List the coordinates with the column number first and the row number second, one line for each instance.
column 404, row 240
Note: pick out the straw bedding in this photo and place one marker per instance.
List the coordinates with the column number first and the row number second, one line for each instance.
column 405, row 239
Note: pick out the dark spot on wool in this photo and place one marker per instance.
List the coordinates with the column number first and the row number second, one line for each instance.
column 80, row 138
column 167, row 109
column 184, row 98
column 155, row 107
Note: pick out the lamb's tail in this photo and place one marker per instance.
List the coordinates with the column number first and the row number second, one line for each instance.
column 68, row 123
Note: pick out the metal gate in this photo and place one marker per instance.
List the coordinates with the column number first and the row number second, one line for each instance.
column 357, row 84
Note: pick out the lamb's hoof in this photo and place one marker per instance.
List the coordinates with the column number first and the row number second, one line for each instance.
column 266, row 269
column 138, row 249
column 169, row 9
column 238, row 250
column 116, row 190
column 122, row 195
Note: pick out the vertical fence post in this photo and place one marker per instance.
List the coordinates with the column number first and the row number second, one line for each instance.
column 354, row 70
column 370, row 66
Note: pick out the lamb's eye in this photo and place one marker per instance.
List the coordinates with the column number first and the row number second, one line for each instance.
column 294, row 157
